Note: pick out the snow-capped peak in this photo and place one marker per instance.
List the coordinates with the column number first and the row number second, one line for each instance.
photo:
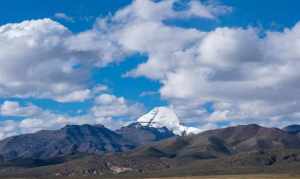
column 165, row 117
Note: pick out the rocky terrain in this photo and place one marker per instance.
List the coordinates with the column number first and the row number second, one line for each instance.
column 102, row 152
column 151, row 146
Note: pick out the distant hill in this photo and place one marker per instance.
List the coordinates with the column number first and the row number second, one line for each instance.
column 292, row 129
column 240, row 149
column 76, row 140
column 69, row 140
column 229, row 141
column 232, row 150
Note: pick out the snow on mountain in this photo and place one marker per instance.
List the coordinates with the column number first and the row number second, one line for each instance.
column 165, row 117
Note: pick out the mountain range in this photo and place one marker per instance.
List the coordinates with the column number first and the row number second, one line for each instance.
column 292, row 129
column 151, row 148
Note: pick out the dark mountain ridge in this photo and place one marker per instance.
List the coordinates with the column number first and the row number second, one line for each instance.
column 229, row 141
column 69, row 140
column 244, row 149
column 295, row 129
column 76, row 139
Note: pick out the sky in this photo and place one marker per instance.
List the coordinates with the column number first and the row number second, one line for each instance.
column 216, row 63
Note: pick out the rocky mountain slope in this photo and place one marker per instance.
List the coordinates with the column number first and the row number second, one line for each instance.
column 157, row 144
column 69, row 140
column 239, row 149
column 292, row 129
column 228, row 141
column 87, row 139
column 140, row 135
column 74, row 139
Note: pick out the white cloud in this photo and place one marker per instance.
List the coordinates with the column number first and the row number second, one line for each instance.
column 257, row 76
column 12, row 108
column 75, row 96
column 33, row 119
column 54, row 63
column 139, row 28
column 63, row 16
column 96, row 47
column 35, row 63
column 148, row 93
column 43, row 59
column 8, row 128
column 108, row 106
column 249, row 78
column 100, row 89
column 148, row 10
column 109, row 110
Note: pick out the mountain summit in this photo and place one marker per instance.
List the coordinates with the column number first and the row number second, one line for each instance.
column 166, row 117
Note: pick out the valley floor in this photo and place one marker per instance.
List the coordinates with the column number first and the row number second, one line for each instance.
column 202, row 177
column 240, row 177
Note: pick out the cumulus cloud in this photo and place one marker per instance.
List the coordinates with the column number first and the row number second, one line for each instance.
column 33, row 118
column 63, row 16
column 54, row 63
column 247, row 77
column 247, row 73
column 250, row 76
column 108, row 106
column 12, row 108
column 109, row 110
column 35, row 63
column 43, row 59
column 140, row 28
column 78, row 96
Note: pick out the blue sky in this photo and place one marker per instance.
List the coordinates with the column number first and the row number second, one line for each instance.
column 85, row 14
column 266, row 13
column 13, row 11
column 138, row 89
